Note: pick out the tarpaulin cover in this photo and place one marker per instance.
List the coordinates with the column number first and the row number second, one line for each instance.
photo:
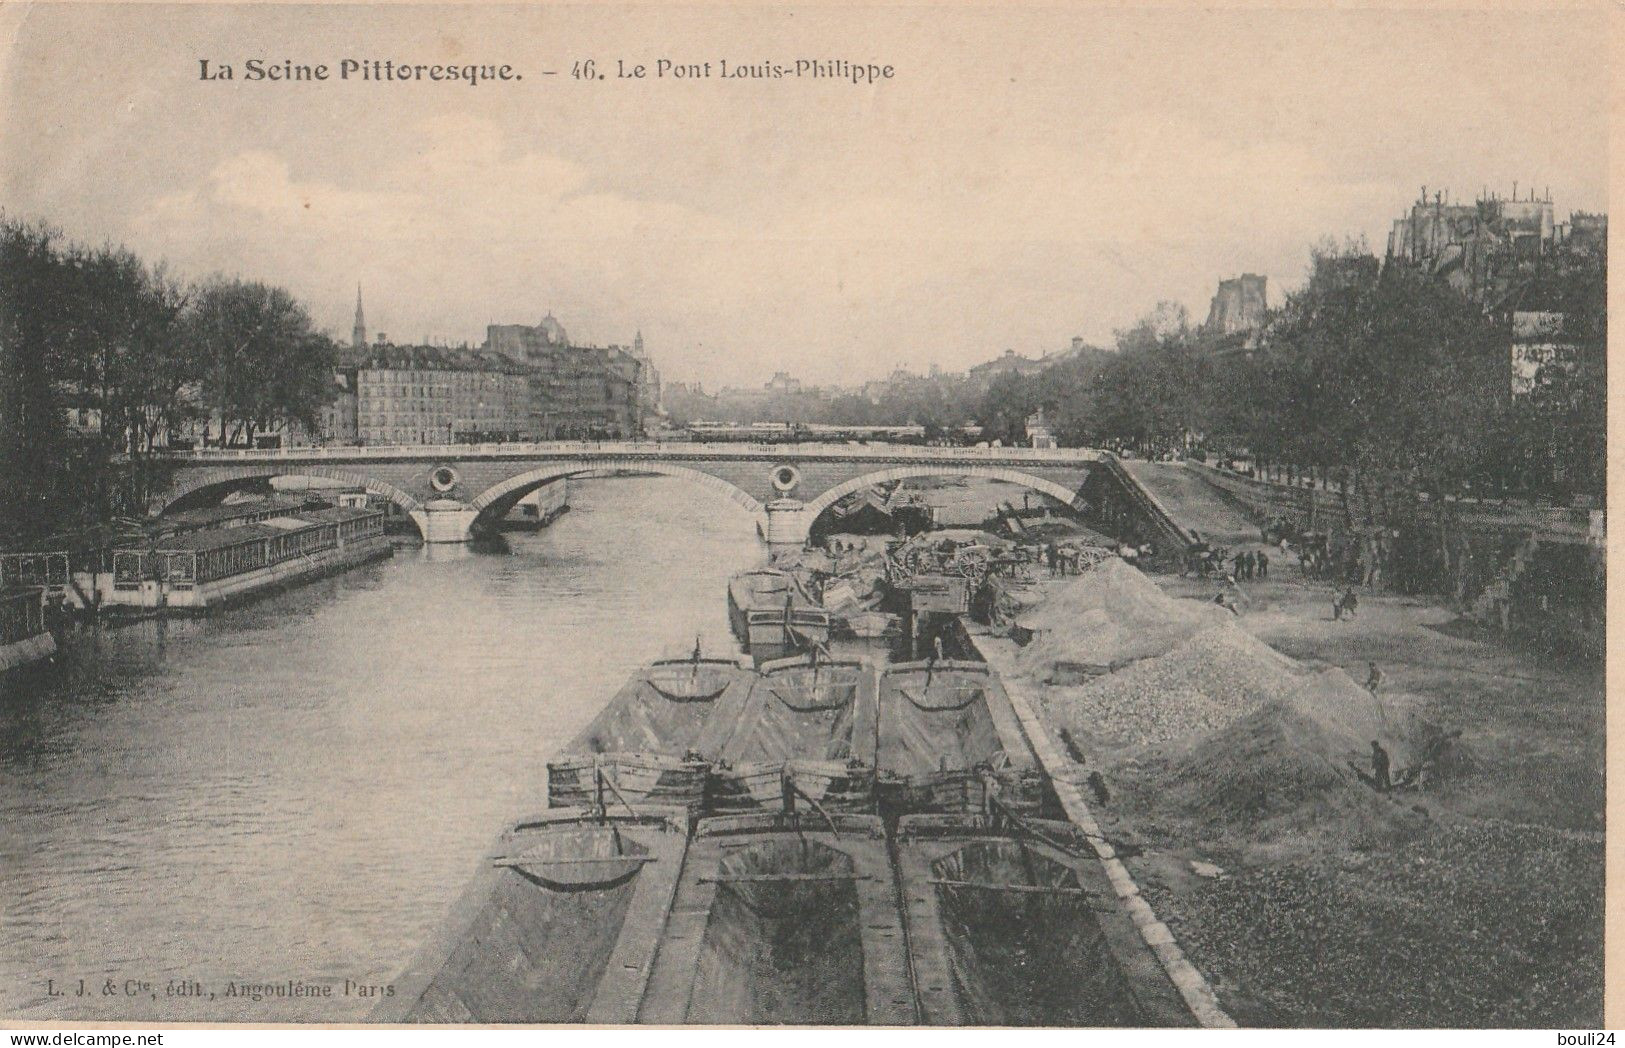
column 799, row 712
column 935, row 722
column 655, row 712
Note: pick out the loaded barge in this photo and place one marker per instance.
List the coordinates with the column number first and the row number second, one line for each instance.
column 773, row 615
column 804, row 839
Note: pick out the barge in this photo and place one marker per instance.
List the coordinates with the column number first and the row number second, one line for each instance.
column 1012, row 922
column 807, row 723
column 203, row 569
column 783, row 920
column 773, row 615
column 806, row 840
column 761, row 588
column 198, row 560
column 559, row 926
column 540, row 508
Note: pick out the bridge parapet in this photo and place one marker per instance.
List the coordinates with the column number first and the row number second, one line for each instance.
column 487, row 479
column 647, row 449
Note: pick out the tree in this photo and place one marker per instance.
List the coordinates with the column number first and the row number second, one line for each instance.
column 130, row 364
column 1009, row 399
column 40, row 464
column 1151, row 395
column 263, row 364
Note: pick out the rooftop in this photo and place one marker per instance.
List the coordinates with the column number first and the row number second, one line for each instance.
column 388, row 356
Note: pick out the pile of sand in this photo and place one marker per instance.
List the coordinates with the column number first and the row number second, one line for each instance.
column 1204, row 682
column 1290, row 763
column 1226, row 732
column 1108, row 616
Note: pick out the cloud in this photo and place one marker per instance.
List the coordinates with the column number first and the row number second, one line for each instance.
column 437, row 228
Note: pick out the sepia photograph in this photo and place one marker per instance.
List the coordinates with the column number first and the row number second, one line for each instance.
column 756, row 515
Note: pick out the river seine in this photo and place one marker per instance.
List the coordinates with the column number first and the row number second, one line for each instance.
column 282, row 801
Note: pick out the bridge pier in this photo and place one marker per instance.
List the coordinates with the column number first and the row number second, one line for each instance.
column 446, row 521
column 788, row 523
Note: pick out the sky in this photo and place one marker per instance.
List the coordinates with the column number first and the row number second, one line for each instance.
column 1025, row 176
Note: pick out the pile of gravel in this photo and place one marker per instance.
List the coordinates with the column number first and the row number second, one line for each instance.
column 1216, row 728
column 1278, row 764
column 1106, row 617
column 1228, row 733
column 1205, row 682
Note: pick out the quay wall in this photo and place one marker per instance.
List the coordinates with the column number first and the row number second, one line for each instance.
column 1197, row 996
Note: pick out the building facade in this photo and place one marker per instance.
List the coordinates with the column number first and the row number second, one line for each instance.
column 436, row 395
column 526, row 382
column 1481, row 247
column 1238, row 306
column 592, row 392
column 337, row 422
column 575, row 392
column 650, row 395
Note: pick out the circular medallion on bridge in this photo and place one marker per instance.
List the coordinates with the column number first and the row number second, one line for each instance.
column 785, row 479
column 443, row 479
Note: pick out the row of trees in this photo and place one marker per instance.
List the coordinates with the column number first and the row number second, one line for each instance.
column 937, row 403
column 1380, row 382
column 1379, row 377
column 103, row 357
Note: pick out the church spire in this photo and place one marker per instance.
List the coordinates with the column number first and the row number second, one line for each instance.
column 358, row 337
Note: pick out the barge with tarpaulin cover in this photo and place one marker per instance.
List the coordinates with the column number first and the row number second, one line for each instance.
column 811, row 839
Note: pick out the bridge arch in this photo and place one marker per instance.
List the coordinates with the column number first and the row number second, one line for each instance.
column 497, row 500
column 229, row 477
column 1059, row 492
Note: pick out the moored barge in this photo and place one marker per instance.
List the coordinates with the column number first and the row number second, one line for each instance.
column 559, row 926
column 838, row 843
column 1012, row 922
column 783, row 919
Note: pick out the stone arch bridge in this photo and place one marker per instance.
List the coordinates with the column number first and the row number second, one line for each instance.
column 450, row 489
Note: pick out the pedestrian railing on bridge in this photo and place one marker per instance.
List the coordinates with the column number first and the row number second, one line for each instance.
column 649, row 449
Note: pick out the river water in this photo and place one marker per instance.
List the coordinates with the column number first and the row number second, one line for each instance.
column 298, row 789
